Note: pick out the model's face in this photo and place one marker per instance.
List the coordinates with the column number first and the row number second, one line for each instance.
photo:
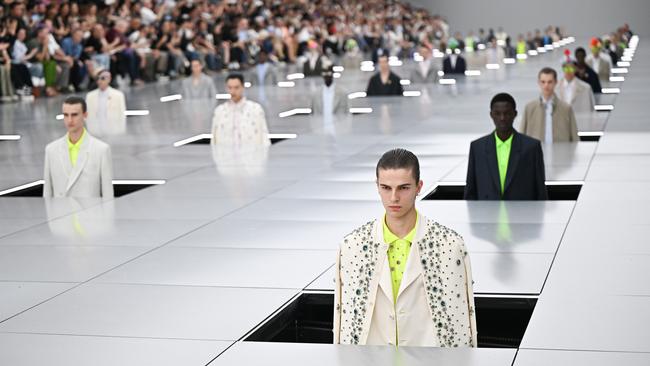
column 104, row 80
column 580, row 57
column 503, row 115
column 398, row 190
column 546, row 84
column 197, row 68
column 383, row 64
column 73, row 117
column 235, row 89
column 569, row 72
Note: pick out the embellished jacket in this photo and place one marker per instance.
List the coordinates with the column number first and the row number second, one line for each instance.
column 435, row 302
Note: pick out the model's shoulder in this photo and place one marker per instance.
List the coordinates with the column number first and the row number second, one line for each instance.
column 482, row 140
column 528, row 140
column 532, row 104
column 361, row 232
column 53, row 145
column 437, row 229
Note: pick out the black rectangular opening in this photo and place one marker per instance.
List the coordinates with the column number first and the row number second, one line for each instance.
column 501, row 322
column 556, row 192
column 206, row 141
column 590, row 138
column 118, row 190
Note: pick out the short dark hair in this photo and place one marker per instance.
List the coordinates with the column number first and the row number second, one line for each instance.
column 239, row 77
column 547, row 70
column 503, row 97
column 579, row 49
column 76, row 100
column 399, row 159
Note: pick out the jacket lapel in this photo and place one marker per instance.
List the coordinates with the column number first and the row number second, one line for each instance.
column 513, row 161
column 82, row 158
column 491, row 161
column 64, row 155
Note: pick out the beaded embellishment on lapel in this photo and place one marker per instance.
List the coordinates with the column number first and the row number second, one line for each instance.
column 358, row 271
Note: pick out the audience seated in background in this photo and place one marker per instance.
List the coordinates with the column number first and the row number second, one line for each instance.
column 584, row 72
column 574, row 91
column 505, row 165
column 198, row 85
column 106, row 108
column 332, row 99
column 239, row 122
column 78, row 164
column 384, row 82
column 548, row 118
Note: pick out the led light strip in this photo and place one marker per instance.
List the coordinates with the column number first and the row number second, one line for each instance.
column 294, row 111
column 170, row 98
column 21, row 187
column 356, row 95
column 611, row 90
column 223, row 96
column 412, row 93
column 139, row 181
column 604, row 107
column 296, row 76
column 9, row 137
column 192, row 139
column 137, row 112
column 590, row 133
column 405, row 82
column 286, row 84
column 447, row 81
column 282, row 135
column 360, row 110
column 564, row 182
column 472, row 72
column 509, row 61
column 492, row 66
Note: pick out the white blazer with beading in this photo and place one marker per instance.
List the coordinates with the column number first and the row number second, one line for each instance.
column 92, row 176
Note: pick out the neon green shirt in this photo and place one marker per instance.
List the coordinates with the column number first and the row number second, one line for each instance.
column 74, row 148
column 398, row 252
column 503, row 155
column 521, row 47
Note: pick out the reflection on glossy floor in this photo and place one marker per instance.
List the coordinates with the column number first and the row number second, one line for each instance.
column 177, row 273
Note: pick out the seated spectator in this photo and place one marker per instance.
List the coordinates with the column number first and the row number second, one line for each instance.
column 385, row 82
column 22, row 70
column 6, row 88
column 424, row 71
column 73, row 48
column 505, row 165
column 198, row 85
column 599, row 61
column 239, row 122
column 56, row 65
column 454, row 63
column 98, row 50
column 332, row 99
column 584, row 72
column 574, row 91
column 548, row 118
column 124, row 59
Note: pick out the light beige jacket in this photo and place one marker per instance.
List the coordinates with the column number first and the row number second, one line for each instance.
column 116, row 119
column 435, row 303
column 582, row 100
column 92, row 176
column 533, row 122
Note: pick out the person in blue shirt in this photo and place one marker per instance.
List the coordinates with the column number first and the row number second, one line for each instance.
column 73, row 47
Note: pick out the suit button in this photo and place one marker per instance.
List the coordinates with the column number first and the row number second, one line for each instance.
column 391, row 317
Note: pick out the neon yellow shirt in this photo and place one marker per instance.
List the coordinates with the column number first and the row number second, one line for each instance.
column 503, row 156
column 521, row 47
column 74, row 148
column 398, row 252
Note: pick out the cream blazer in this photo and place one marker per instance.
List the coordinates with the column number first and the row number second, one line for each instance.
column 116, row 122
column 604, row 66
column 533, row 122
column 582, row 101
column 92, row 176
column 435, row 302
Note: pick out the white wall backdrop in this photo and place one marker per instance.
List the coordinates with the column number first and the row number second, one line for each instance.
column 581, row 18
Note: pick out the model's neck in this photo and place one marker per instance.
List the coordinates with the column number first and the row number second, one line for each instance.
column 401, row 226
column 75, row 136
column 547, row 97
column 504, row 135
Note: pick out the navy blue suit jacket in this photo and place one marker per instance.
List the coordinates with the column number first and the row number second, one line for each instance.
column 525, row 178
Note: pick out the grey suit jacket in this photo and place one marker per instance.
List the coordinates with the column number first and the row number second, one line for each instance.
column 533, row 122
column 92, row 176
column 582, row 100
column 340, row 104
column 270, row 77
column 416, row 76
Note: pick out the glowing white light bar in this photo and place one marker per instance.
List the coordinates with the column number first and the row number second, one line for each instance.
column 549, row 47
column 192, row 139
column 571, row 39
column 296, row 76
column 9, row 137
column 24, row 186
column 623, row 64
column 336, row 75
column 405, row 82
column 441, row 73
column 170, row 98
column 564, row 182
column 137, row 112
column 438, row 54
column 591, row 133
column 247, row 84
column 360, row 110
column 616, row 78
column 472, row 72
column 356, row 95
column 556, row 44
column 541, row 50
column 532, row 53
column 282, row 135
column 393, row 58
column 412, row 93
column 367, row 63
column 395, row 63
column 604, row 107
column 492, row 66
column 619, row 70
column 626, row 58
column 338, row 69
column 447, row 81
column 223, row 96
column 367, row 68
column 295, row 111
column 450, row 183
column 501, row 42
column 469, row 49
column 481, row 46
column 509, row 61
column 611, row 90
column 522, row 56
column 59, row 117
column 418, row 58
column 139, row 181
column 286, row 84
